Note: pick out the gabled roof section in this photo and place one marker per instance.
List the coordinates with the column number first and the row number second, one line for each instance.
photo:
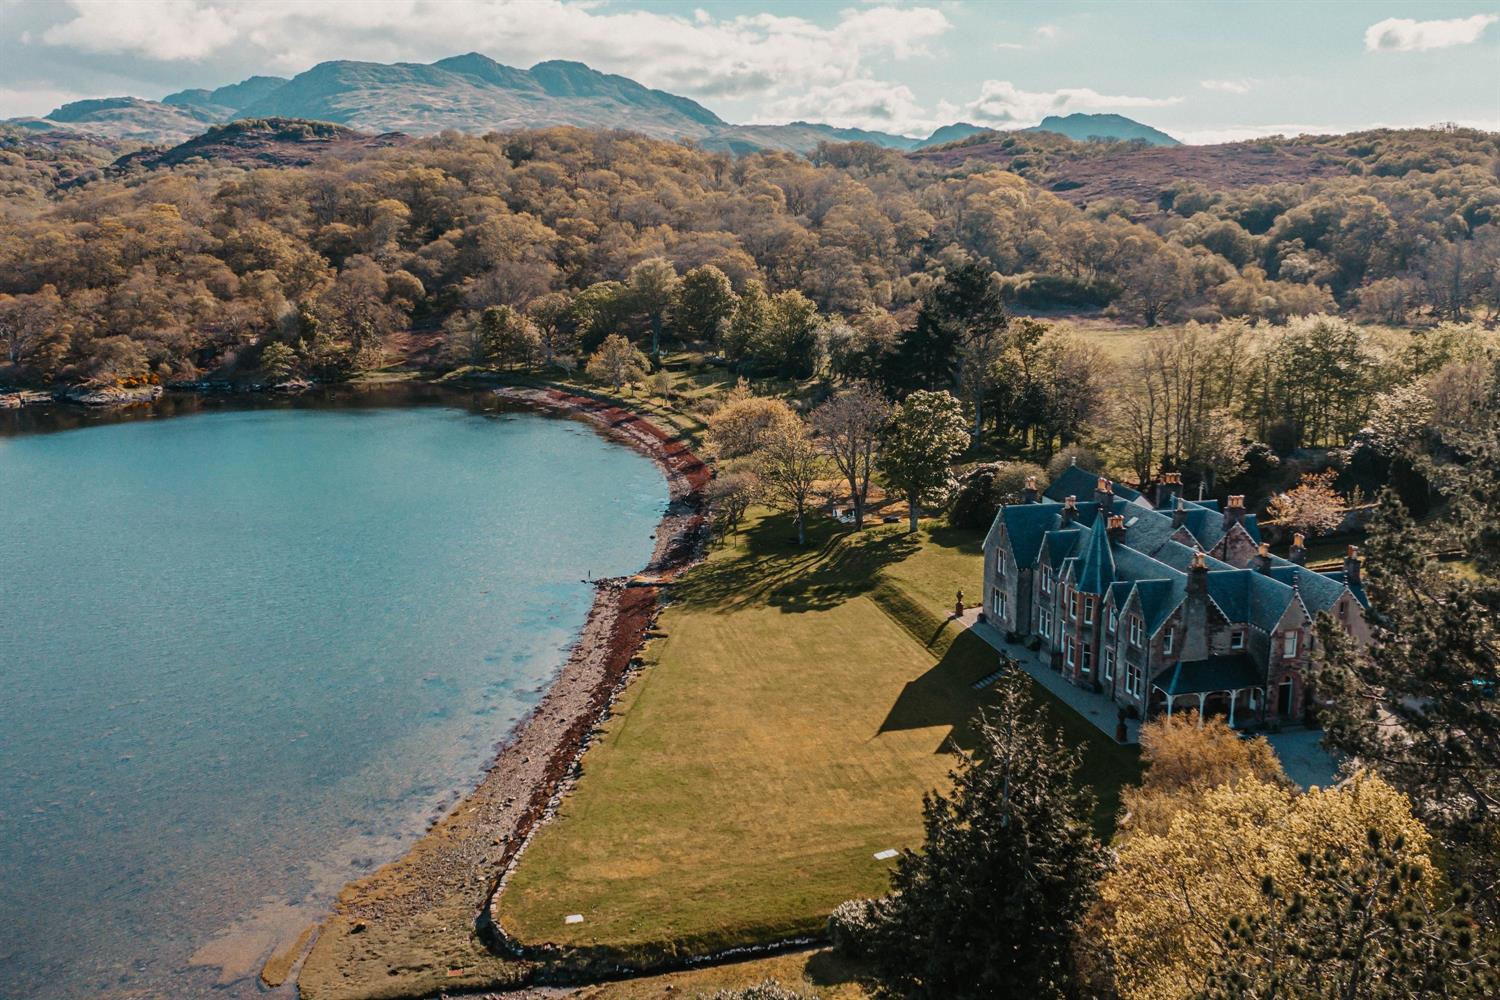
column 1246, row 596
column 1059, row 546
column 1096, row 570
column 1080, row 483
column 1159, row 598
column 1027, row 524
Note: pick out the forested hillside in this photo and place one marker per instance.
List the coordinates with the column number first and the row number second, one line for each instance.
column 174, row 272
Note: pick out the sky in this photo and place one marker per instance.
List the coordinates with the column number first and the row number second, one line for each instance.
column 1202, row 71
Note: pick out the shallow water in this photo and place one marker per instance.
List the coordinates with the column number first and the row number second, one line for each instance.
column 248, row 654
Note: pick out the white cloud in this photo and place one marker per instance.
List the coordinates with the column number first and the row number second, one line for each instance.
column 1046, row 31
column 859, row 103
column 33, row 101
column 1241, row 86
column 1002, row 103
column 701, row 55
column 1402, row 34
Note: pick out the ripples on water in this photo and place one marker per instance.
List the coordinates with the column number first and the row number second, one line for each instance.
column 248, row 654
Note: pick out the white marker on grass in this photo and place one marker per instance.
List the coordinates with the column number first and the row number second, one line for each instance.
column 573, row 918
column 885, row 855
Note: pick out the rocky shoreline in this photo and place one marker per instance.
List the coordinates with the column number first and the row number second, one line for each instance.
column 422, row 924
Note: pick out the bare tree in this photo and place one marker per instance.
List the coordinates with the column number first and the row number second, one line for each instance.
column 789, row 465
column 848, row 428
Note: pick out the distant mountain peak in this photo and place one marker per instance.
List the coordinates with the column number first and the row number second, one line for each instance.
column 1084, row 127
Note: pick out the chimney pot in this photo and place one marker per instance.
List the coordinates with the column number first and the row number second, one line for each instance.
column 1179, row 514
column 1116, row 527
column 1069, row 511
column 1029, row 494
column 1237, row 500
column 1198, row 561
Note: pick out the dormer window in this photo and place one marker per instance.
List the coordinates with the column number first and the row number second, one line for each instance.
column 1289, row 645
column 1135, row 630
column 1073, row 603
column 1046, row 581
column 1168, row 640
column 1237, row 639
column 1114, row 621
column 1088, row 610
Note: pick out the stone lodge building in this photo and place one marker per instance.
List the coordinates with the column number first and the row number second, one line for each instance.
column 1160, row 602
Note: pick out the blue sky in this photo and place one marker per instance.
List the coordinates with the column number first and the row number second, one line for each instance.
column 1202, row 71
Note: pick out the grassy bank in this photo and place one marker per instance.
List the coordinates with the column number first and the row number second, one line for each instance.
column 796, row 710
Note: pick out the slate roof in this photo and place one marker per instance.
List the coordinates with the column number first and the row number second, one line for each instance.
column 1217, row 673
column 1080, row 483
column 1096, row 569
column 1150, row 562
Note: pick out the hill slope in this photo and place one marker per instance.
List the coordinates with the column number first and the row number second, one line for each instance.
column 1084, row 128
column 473, row 93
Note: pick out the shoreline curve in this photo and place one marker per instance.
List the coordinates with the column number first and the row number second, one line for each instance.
column 420, row 925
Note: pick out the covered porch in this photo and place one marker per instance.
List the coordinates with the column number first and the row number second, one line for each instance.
column 1230, row 685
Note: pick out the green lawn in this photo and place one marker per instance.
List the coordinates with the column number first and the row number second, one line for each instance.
column 790, row 720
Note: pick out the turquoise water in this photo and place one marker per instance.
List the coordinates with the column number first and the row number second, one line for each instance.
column 249, row 654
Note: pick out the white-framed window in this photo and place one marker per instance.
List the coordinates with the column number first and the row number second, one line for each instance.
column 1088, row 610
column 1114, row 621
column 1289, row 644
column 1168, row 640
column 1072, row 653
column 998, row 602
column 1132, row 677
column 999, row 565
column 1237, row 639
column 1135, row 630
column 1088, row 658
column 1044, row 622
column 1073, row 604
column 1109, row 663
column 1046, row 581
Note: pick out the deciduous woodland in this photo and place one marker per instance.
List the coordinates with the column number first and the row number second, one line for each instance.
column 127, row 273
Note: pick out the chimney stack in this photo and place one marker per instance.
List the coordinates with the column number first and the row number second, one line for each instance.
column 1104, row 495
column 1116, row 527
column 1234, row 513
column 1029, row 494
column 1352, row 559
column 1179, row 514
column 1069, row 512
column 1194, row 642
column 1262, row 559
column 1168, row 490
column 1298, row 554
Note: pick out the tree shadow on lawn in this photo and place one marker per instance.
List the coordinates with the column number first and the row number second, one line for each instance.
column 835, row 565
column 944, row 696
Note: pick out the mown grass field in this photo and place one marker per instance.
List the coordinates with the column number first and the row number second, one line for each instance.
column 790, row 720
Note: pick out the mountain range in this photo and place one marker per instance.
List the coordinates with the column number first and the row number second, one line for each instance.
column 474, row 93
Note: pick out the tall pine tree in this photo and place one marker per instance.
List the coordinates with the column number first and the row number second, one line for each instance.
column 1421, row 703
column 987, row 908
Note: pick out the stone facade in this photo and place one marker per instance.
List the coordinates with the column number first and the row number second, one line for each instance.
column 1162, row 603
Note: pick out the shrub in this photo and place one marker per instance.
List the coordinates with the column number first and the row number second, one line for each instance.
column 983, row 489
column 853, row 927
column 768, row 990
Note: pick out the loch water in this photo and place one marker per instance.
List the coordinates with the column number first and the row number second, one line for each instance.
column 250, row 648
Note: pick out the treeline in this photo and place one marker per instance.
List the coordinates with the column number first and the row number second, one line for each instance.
column 171, row 274
column 1222, row 878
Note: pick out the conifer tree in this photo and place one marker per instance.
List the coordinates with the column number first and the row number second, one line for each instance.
column 1364, row 928
column 1421, row 703
column 987, row 907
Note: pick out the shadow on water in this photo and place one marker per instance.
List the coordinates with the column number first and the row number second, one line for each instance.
column 55, row 417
